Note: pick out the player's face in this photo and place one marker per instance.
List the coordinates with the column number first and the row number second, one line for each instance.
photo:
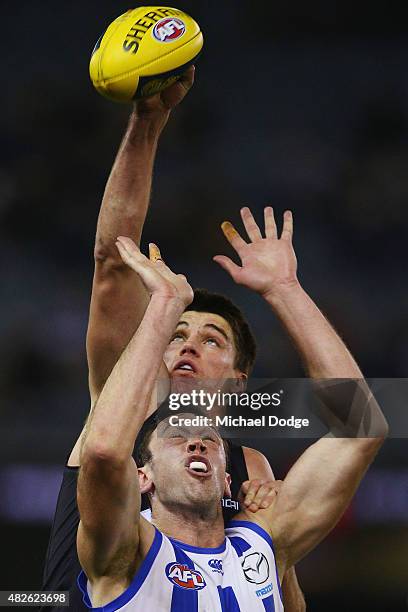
column 201, row 349
column 187, row 467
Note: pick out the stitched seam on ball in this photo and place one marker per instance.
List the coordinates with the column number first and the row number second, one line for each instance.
column 101, row 56
column 151, row 63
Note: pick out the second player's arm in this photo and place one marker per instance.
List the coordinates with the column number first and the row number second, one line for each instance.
column 118, row 297
column 319, row 487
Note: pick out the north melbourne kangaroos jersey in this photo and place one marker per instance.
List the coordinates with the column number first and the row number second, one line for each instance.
column 238, row 576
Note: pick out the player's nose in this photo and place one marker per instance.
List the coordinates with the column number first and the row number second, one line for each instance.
column 196, row 446
column 189, row 348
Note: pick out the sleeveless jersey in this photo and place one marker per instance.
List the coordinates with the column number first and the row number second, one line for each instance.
column 238, row 576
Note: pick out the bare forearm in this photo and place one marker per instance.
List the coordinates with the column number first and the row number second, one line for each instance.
column 322, row 351
column 122, row 406
column 127, row 193
column 293, row 599
column 118, row 297
column 347, row 406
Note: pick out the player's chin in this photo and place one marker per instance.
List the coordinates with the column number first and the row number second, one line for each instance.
column 185, row 383
column 202, row 498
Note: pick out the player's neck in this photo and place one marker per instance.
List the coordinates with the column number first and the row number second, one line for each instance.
column 189, row 527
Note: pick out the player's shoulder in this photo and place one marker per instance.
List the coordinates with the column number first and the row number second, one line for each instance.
column 248, row 520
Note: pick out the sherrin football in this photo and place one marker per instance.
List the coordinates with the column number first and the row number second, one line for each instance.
column 144, row 51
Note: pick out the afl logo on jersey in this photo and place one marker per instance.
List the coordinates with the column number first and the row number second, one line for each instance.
column 168, row 29
column 185, row 578
column 256, row 568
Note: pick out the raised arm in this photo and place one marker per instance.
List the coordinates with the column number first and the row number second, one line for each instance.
column 320, row 485
column 118, row 297
column 268, row 267
column 108, row 491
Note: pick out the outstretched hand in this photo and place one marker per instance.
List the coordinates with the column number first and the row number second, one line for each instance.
column 158, row 279
column 166, row 100
column 268, row 263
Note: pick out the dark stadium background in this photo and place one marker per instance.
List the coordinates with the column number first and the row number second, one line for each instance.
column 301, row 105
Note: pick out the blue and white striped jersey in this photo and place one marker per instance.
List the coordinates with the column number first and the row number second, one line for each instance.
column 238, row 576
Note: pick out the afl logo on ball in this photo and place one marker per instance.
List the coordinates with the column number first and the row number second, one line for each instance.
column 169, row 29
column 185, row 578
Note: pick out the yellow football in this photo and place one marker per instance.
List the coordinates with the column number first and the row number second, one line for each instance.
column 144, row 51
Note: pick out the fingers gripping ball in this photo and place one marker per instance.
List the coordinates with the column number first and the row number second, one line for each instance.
column 144, row 51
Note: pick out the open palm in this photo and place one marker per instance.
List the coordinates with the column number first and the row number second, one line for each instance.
column 158, row 279
column 267, row 263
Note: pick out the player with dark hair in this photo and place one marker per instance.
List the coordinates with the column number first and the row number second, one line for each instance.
column 186, row 559
column 245, row 344
column 118, row 303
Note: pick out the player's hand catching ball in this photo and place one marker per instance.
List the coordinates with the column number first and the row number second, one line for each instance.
column 268, row 263
column 158, row 279
column 167, row 99
column 258, row 494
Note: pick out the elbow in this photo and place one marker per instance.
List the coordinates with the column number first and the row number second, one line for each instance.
column 370, row 446
column 378, row 441
column 97, row 456
column 107, row 257
column 384, row 430
column 381, row 431
column 103, row 250
column 300, row 604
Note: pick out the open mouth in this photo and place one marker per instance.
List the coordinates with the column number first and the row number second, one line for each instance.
column 199, row 466
column 183, row 368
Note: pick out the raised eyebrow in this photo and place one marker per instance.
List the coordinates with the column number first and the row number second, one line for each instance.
column 218, row 329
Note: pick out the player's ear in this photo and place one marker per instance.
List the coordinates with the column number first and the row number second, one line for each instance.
column 240, row 381
column 227, row 488
column 145, row 480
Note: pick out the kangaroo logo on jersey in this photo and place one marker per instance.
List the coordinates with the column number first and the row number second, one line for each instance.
column 256, row 568
column 184, row 577
column 168, row 29
column 216, row 565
